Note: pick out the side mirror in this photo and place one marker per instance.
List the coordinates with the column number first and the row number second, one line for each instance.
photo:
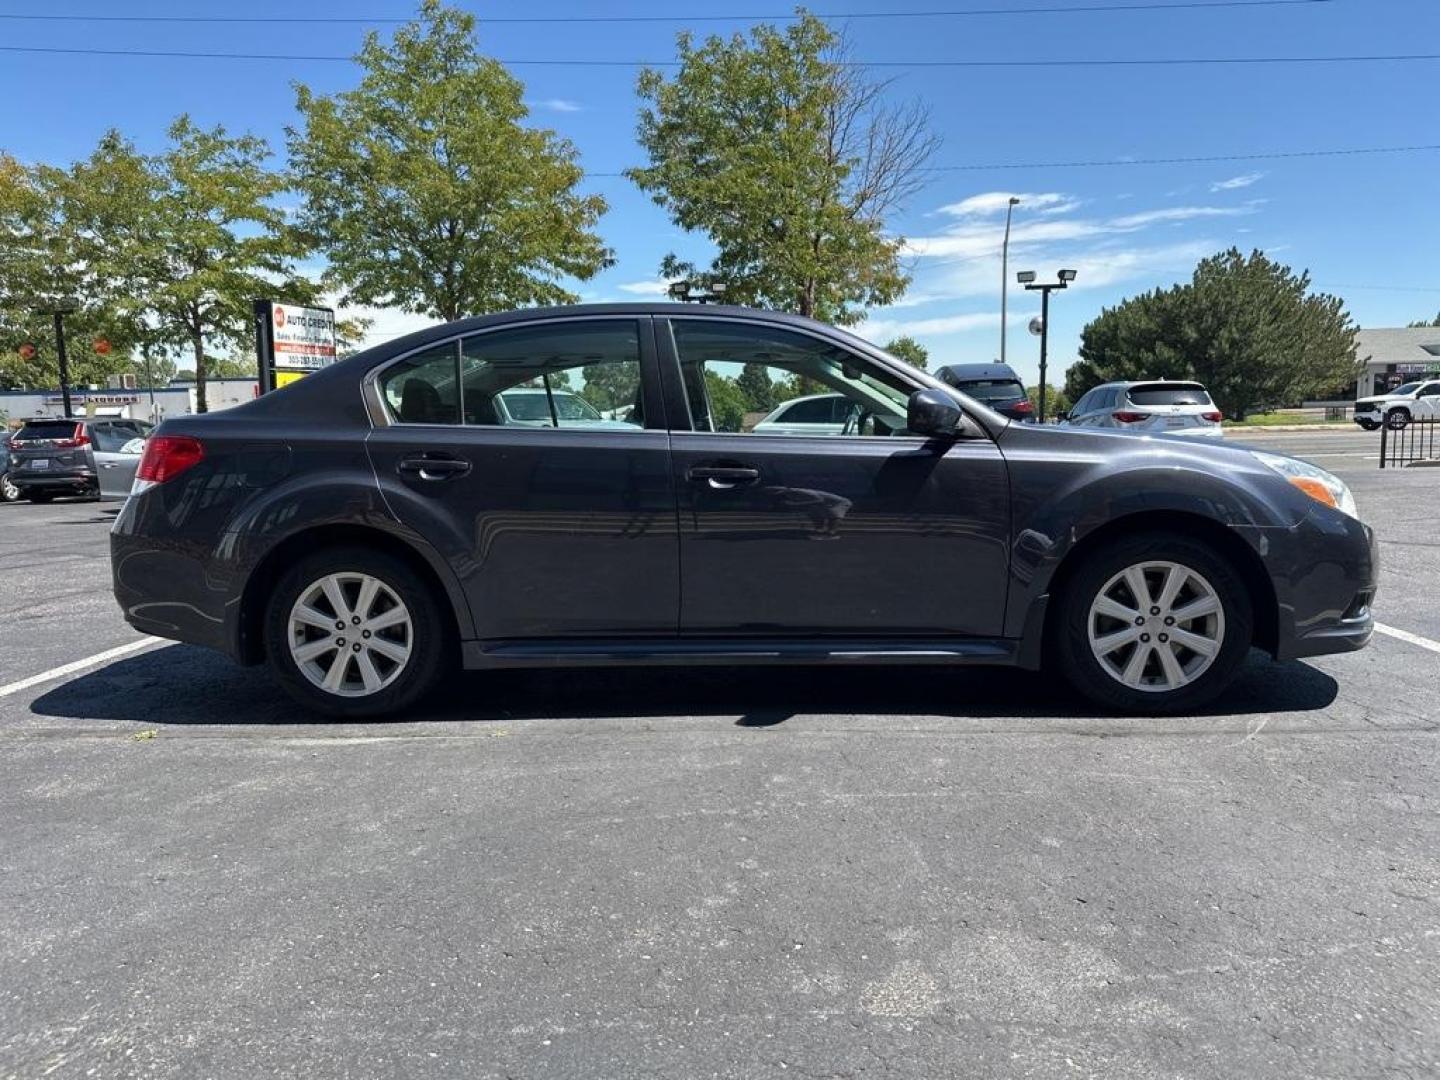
column 1062, row 417
column 933, row 412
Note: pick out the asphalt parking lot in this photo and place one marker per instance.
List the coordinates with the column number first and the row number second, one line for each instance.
column 849, row 873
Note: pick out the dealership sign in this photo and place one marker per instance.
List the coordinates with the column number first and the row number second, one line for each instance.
column 292, row 341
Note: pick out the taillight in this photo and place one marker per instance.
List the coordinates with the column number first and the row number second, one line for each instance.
column 77, row 439
column 1022, row 406
column 166, row 457
column 1213, row 417
column 1130, row 417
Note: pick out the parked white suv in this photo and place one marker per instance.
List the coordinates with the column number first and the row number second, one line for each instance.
column 1157, row 407
column 1418, row 400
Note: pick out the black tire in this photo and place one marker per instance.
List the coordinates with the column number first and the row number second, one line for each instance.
column 1396, row 419
column 432, row 647
column 40, row 496
column 1368, row 425
column 1070, row 641
column 8, row 491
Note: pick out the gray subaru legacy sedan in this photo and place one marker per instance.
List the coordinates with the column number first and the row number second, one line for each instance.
column 387, row 520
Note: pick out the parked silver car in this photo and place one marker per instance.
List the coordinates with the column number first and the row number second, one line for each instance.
column 1156, row 407
column 86, row 456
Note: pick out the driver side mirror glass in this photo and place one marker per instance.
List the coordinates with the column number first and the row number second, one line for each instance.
column 933, row 412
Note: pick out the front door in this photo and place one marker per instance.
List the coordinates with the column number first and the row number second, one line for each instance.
column 867, row 531
column 535, row 460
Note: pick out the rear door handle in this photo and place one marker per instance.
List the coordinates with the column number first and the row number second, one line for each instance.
column 724, row 476
column 426, row 467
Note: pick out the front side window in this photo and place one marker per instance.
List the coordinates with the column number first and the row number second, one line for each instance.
column 571, row 375
column 736, row 375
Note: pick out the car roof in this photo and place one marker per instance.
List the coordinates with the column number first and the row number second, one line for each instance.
column 981, row 371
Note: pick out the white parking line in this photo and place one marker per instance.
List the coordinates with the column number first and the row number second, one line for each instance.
column 1405, row 635
column 79, row 665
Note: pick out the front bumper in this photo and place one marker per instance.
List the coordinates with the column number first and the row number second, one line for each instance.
column 1325, row 571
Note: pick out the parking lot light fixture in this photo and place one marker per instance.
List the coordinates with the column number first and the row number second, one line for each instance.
column 1027, row 278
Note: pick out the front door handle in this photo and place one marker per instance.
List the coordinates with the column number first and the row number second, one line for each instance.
column 426, row 467
column 724, row 476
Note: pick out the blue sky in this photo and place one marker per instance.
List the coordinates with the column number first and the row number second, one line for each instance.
column 1367, row 226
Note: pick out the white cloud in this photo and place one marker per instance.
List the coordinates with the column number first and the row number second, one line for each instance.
column 1176, row 213
column 882, row 330
column 560, row 105
column 995, row 202
column 654, row 288
column 1236, row 182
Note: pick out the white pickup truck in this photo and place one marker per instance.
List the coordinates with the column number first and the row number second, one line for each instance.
column 1413, row 401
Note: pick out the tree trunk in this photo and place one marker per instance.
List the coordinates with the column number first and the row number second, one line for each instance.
column 197, row 341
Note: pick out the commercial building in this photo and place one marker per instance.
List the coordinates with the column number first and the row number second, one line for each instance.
column 1396, row 356
column 132, row 403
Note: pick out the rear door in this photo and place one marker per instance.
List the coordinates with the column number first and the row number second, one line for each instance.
column 556, row 529
column 868, row 533
column 117, row 446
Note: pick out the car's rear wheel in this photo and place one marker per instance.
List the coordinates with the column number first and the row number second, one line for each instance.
column 8, row 491
column 1396, row 419
column 1155, row 623
column 353, row 633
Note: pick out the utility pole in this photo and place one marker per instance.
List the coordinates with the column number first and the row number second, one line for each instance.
column 1005, row 273
column 1027, row 278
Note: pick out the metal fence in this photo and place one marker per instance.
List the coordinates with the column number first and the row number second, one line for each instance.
column 1417, row 441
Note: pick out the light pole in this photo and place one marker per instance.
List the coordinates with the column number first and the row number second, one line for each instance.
column 687, row 293
column 59, row 310
column 1005, row 272
column 1027, row 278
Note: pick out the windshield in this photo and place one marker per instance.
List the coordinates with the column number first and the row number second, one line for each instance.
column 1408, row 388
column 989, row 391
column 531, row 405
column 1169, row 394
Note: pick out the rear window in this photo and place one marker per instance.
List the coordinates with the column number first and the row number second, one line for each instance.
column 47, row 429
column 1169, row 394
column 991, row 390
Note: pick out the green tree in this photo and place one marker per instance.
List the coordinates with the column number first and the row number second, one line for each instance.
column 727, row 402
column 1056, row 400
column 909, row 350
column 426, row 191
column 1423, row 323
column 788, row 160
column 1245, row 326
column 46, row 261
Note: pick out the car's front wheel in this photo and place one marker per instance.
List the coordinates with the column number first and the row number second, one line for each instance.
column 1155, row 623
column 355, row 633
column 1396, row 419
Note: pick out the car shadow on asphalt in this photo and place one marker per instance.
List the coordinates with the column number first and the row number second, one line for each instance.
column 183, row 685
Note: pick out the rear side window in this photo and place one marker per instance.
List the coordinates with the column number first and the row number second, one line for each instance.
column 47, row 429
column 1169, row 394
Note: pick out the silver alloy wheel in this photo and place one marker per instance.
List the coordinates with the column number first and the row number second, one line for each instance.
column 1156, row 626
column 350, row 634
column 8, row 489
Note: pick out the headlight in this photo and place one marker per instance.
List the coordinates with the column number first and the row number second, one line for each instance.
column 1313, row 481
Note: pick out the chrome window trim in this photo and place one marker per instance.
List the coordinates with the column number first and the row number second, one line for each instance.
column 379, row 408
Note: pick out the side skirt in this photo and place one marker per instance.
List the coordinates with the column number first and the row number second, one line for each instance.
column 621, row 652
